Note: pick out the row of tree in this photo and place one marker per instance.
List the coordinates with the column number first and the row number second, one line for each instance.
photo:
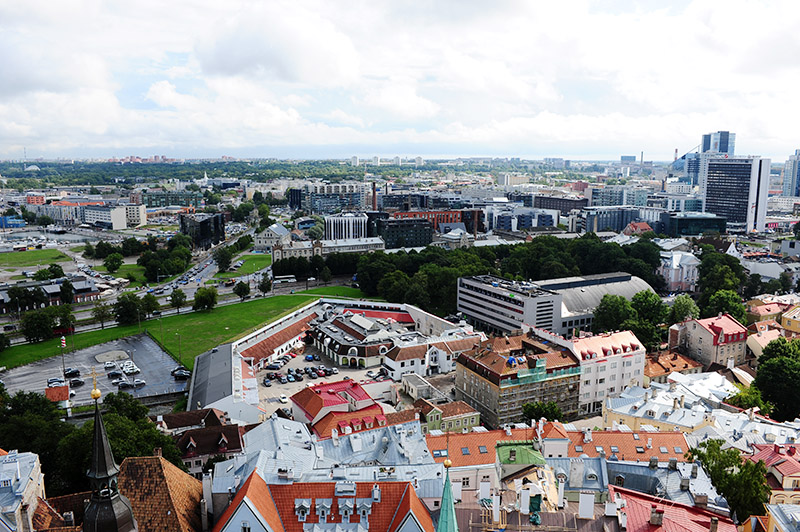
column 223, row 255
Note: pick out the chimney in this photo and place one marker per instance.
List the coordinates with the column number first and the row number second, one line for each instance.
column 207, row 492
column 673, row 463
column 649, row 443
column 682, row 400
column 694, row 470
column 653, row 462
column 672, row 386
column 714, row 526
column 731, row 365
column 684, row 484
column 157, row 451
column 69, row 518
column 655, row 392
column 656, row 516
column 701, row 500
column 203, row 515
column 674, row 403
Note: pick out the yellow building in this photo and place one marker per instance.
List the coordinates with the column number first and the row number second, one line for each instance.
column 791, row 320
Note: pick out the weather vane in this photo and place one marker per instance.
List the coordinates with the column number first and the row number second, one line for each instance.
column 95, row 391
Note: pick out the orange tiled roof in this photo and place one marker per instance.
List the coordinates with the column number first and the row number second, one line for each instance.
column 480, row 445
column 667, row 362
column 257, row 493
column 162, row 496
column 403, row 416
column 265, row 348
column 2, row 452
column 554, row 430
column 334, row 420
column 764, row 325
column 626, row 444
column 456, row 408
column 57, row 393
column 314, row 398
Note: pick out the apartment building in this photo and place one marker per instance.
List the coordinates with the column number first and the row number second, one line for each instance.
column 711, row 340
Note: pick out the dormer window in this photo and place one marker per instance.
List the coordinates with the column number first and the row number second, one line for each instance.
column 301, row 508
column 5, row 483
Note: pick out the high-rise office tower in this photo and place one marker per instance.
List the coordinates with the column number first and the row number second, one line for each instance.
column 791, row 183
column 737, row 188
column 722, row 142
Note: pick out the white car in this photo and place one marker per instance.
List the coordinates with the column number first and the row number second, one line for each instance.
column 283, row 399
column 110, row 365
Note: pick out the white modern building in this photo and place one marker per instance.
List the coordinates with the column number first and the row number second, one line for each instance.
column 736, row 188
column 135, row 215
column 562, row 306
column 107, row 217
column 345, row 226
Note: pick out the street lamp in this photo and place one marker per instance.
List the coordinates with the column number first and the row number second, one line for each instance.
column 180, row 363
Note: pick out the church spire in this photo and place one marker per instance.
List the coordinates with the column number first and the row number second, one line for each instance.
column 108, row 509
column 447, row 515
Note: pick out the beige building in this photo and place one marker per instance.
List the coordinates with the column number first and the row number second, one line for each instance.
column 135, row 215
column 710, row 340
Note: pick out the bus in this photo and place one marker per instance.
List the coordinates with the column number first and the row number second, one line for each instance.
column 280, row 279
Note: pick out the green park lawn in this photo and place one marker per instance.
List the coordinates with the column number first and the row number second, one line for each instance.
column 336, row 291
column 32, row 257
column 77, row 249
column 199, row 331
column 252, row 263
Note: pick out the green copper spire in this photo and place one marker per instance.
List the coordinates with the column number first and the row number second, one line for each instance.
column 447, row 515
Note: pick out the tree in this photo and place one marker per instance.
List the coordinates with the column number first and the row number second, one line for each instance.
column 683, row 306
column 88, row 251
column 177, row 299
column 37, row 325
column 124, row 405
column 535, row 411
column 611, row 312
column 150, row 304
column 649, row 307
column 265, row 284
column 42, row 275
column 778, row 380
column 742, row 482
column 102, row 312
column 56, row 271
column 205, row 298
column 113, row 262
column 317, row 263
column 796, row 230
column 647, row 332
column 5, row 343
column 786, row 282
column 753, row 286
column 749, row 397
column 44, row 220
column 780, row 347
column 773, row 286
column 223, row 257
column 66, row 293
column 726, row 302
column 128, row 309
column 241, row 289
column 325, row 275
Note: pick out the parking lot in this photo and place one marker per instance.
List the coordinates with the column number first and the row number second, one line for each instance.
column 269, row 396
column 155, row 366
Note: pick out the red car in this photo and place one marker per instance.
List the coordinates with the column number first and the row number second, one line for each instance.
column 293, row 355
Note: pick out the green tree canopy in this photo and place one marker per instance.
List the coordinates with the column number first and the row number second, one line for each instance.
column 538, row 410
column 150, row 304
column 778, row 379
column 725, row 302
column 113, row 262
column 749, row 397
column 66, row 292
column 102, row 312
column 683, row 307
column 128, row 309
column 611, row 312
column 177, row 299
column 241, row 289
column 265, row 284
column 205, row 298
column 649, row 307
column 223, row 257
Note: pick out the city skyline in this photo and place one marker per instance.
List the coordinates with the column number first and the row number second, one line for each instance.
column 312, row 80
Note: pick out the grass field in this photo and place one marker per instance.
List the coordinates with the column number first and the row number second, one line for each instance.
column 336, row 291
column 33, row 257
column 124, row 270
column 252, row 262
column 199, row 331
column 77, row 249
column 18, row 277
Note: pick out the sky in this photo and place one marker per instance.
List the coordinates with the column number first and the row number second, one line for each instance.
column 306, row 79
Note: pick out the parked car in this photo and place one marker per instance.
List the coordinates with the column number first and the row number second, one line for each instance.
column 54, row 380
column 371, row 374
column 290, row 378
column 138, row 383
column 283, row 399
column 124, row 384
column 56, row 384
column 274, row 366
column 114, row 374
column 182, row 375
column 345, row 378
column 293, row 355
column 110, row 365
column 309, row 358
column 334, row 371
column 72, row 372
column 267, row 383
column 76, row 382
column 298, row 377
column 131, row 370
column 316, row 357
column 177, row 368
column 283, row 380
column 313, row 375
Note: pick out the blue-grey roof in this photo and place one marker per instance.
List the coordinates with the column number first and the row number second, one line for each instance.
column 580, row 474
column 212, row 378
column 787, row 516
column 18, row 469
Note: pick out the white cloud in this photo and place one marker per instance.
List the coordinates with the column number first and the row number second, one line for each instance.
column 516, row 78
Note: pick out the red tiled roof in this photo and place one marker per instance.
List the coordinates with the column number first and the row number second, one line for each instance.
column 2, row 452
column 265, row 348
column 57, row 393
column 677, row 517
column 667, row 362
column 456, row 408
column 554, row 430
column 625, row 443
column 258, row 495
column 403, row 416
column 334, row 420
column 725, row 324
column 766, row 310
column 606, row 344
column 473, row 441
column 325, row 395
column 207, row 440
column 400, row 317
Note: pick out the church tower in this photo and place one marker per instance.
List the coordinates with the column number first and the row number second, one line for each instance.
column 108, row 509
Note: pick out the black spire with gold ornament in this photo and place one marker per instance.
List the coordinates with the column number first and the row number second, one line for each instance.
column 108, row 509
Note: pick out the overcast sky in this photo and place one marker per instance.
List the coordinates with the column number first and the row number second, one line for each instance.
column 581, row 80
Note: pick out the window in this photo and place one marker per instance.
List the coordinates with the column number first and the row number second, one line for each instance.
column 465, row 450
column 579, row 448
column 613, row 365
column 613, row 377
column 402, row 364
column 587, row 382
column 438, row 453
column 663, row 450
column 640, row 450
column 587, row 369
column 619, row 480
column 601, row 381
column 602, row 368
column 5, row 483
column 245, row 526
column 482, row 449
column 614, row 449
column 465, row 482
column 198, row 463
column 591, row 476
column 436, row 504
column 635, row 436
column 598, row 448
column 678, row 450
